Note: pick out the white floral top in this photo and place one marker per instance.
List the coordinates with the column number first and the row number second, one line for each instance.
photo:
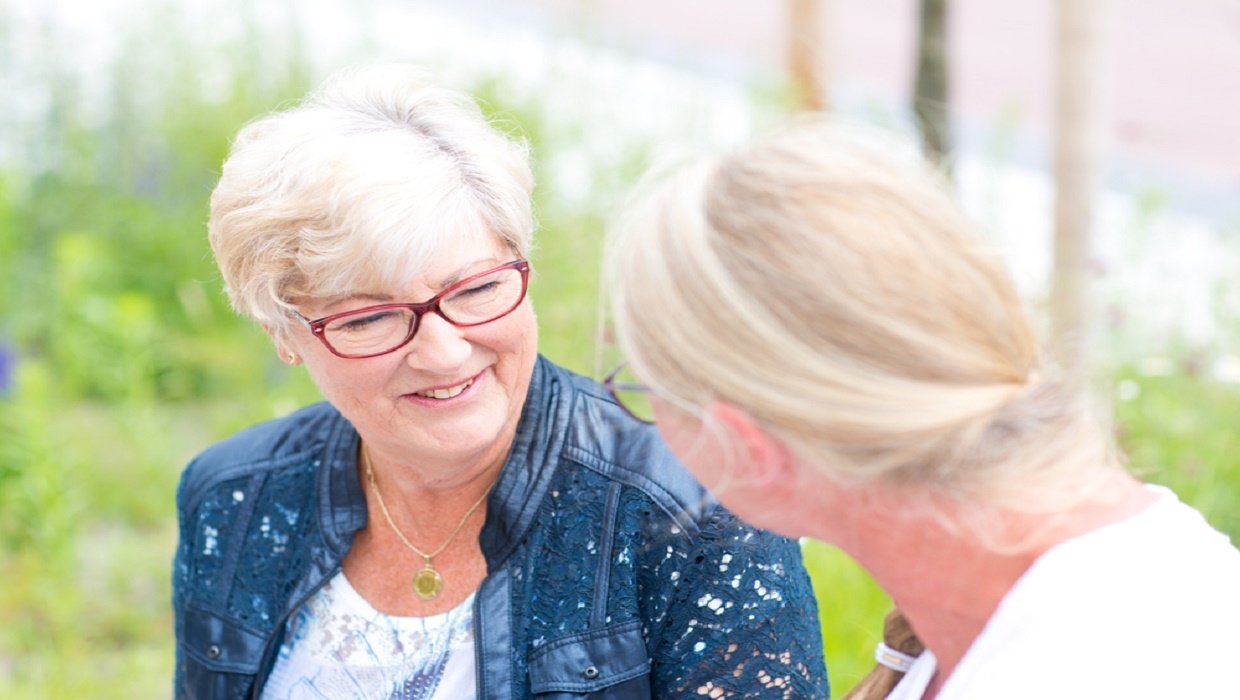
column 337, row 646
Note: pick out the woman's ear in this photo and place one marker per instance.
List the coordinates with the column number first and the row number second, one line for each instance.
column 769, row 464
column 286, row 354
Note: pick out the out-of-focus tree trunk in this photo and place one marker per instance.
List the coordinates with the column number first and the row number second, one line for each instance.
column 931, row 92
column 806, row 55
column 1078, row 146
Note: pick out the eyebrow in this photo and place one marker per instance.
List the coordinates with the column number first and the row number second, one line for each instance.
column 472, row 267
column 460, row 274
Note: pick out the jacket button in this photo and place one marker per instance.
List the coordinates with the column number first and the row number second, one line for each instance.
column 590, row 673
column 213, row 651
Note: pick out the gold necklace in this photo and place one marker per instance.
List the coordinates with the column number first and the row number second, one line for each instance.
column 428, row 582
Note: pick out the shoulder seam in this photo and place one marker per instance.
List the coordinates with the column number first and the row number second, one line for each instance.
column 198, row 486
column 689, row 522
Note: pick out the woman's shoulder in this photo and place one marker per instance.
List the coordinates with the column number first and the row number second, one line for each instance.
column 265, row 446
column 1169, row 545
column 1155, row 591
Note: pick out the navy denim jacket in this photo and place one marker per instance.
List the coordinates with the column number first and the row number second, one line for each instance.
column 611, row 573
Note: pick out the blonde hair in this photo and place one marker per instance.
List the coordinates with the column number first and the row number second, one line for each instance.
column 824, row 281
column 898, row 635
column 356, row 186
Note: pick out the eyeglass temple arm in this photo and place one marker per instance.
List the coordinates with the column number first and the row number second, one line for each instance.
column 307, row 322
column 610, row 381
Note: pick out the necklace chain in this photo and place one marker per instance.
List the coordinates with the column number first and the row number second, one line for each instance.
column 425, row 588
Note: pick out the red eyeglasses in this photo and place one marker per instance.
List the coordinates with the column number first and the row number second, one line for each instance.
column 377, row 330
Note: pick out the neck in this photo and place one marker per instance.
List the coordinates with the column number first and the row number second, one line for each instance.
column 426, row 501
column 947, row 581
column 427, row 478
column 947, row 587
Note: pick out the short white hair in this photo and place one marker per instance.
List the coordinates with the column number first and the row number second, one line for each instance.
column 357, row 186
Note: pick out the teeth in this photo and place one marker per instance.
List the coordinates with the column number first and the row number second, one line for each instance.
column 445, row 393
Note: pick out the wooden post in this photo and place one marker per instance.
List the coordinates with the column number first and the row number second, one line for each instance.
column 1079, row 129
column 806, row 57
column 931, row 91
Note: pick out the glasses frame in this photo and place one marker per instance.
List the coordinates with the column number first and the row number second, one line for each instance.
column 318, row 327
column 612, row 387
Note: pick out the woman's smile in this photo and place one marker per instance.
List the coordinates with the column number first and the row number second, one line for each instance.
column 445, row 395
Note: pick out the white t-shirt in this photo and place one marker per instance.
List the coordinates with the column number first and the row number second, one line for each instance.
column 1148, row 607
column 338, row 647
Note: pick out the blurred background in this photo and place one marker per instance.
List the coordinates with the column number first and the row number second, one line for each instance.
column 1094, row 143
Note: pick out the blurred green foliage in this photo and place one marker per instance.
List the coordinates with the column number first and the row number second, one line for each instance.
column 1178, row 428
column 128, row 360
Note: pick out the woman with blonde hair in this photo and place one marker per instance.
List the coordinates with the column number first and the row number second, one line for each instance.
column 831, row 349
column 461, row 519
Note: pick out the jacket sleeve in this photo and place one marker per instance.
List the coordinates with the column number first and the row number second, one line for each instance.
column 180, row 582
column 743, row 622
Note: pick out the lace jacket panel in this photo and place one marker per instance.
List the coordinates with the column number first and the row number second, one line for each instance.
column 727, row 611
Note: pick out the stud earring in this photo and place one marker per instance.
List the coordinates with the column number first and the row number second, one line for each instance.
column 292, row 358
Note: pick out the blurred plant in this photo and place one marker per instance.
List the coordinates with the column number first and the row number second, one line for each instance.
column 1176, row 424
column 130, row 359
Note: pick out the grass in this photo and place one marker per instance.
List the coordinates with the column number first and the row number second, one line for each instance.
column 851, row 608
column 128, row 361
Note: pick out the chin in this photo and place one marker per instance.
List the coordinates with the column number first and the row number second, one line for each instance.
column 467, row 436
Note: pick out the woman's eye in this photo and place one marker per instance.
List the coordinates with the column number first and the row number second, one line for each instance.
column 477, row 290
column 359, row 323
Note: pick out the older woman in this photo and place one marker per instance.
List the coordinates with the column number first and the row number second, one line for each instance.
column 836, row 355
column 461, row 519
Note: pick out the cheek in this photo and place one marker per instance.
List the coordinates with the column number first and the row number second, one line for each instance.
column 716, row 458
column 513, row 347
column 350, row 388
column 515, row 337
column 703, row 452
column 345, row 382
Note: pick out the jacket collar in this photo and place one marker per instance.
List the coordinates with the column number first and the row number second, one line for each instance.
column 530, row 465
column 513, row 502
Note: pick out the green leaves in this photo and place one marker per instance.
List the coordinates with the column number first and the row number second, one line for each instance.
column 1178, row 428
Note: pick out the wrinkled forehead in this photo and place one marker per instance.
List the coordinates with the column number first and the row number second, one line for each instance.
column 462, row 251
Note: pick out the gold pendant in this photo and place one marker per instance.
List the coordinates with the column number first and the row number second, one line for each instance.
column 427, row 583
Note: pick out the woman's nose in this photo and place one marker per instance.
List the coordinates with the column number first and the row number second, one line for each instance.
column 438, row 346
